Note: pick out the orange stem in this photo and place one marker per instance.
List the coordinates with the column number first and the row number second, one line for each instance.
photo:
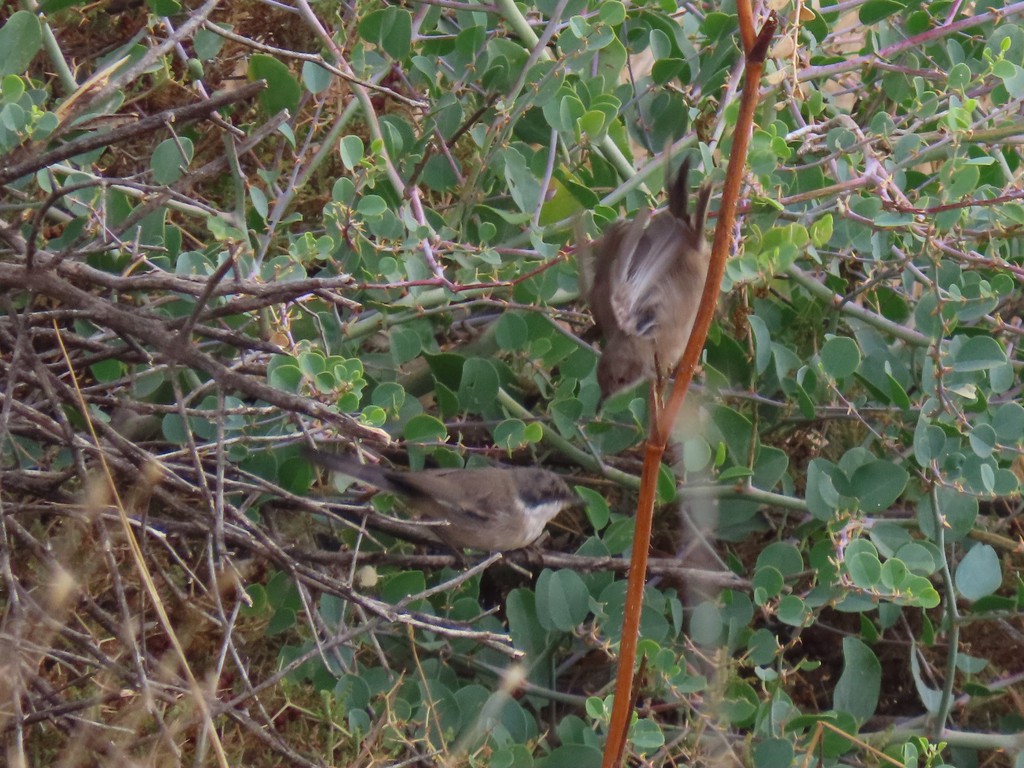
column 722, row 244
column 663, row 419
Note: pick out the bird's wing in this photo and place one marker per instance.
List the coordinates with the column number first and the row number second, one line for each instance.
column 461, row 496
column 630, row 246
column 635, row 294
column 604, row 265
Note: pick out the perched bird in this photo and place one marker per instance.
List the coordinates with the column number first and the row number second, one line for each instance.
column 646, row 288
column 491, row 509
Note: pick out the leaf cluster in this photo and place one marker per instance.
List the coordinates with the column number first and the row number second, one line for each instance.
column 372, row 243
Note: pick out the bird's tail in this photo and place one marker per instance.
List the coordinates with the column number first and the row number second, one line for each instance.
column 679, row 200
column 370, row 474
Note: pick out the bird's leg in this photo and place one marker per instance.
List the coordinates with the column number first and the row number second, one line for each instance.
column 532, row 555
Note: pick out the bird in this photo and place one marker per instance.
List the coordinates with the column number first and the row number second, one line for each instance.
column 647, row 283
column 492, row 509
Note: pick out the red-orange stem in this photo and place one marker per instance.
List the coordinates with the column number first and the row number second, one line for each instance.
column 663, row 419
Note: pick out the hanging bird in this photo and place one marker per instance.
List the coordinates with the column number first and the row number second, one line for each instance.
column 648, row 279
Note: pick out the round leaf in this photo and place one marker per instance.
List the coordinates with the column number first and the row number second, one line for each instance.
column 563, row 600
column 978, row 574
column 170, row 159
column 282, row 91
column 979, row 353
column 840, row 357
column 878, row 484
column 351, row 151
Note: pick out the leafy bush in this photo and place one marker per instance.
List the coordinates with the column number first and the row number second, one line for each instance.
column 372, row 241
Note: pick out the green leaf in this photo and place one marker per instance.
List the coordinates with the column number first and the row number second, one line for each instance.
column 478, row 388
column 21, row 37
column 894, row 574
column 282, row 620
column 878, row 484
column 563, row 601
column 773, row 753
column 930, row 697
column 763, row 647
column 983, row 440
column 207, row 44
column 821, row 230
column 284, row 376
column 865, row 569
column 979, row 573
column 929, row 441
column 767, row 583
column 371, row 206
column 822, row 495
column 439, row 175
column 351, row 151
column 917, row 558
column 666, row 70
column 164, row 7
column 876, row 10
column 400, row 586
column 958, row 510
column 424, row 428
column 390, row 29
column 1012, row 76
column 783, row 556
column 840, row 357
column 522, row 183
column 315, row 77
column 618, row 536
column 173, row 428
column 282, row 91
column 737, row 431
column 260, row 203
column 706, row 624
column 1008, row 420
column 296, row 474
column 511, row 331
column 523, row 625
column 170, row 160
column 770, row 466
column 12, row 88
column 612, row 12
column 591, row 124
column 740, row 703
column 510, row 434
column 857, row 689
column 107, row 370
column 572, row 756
column 762, row 344
column 646, row 735
column 979, row 353
column 596, row 507
column 406, row 344
column 793, row 611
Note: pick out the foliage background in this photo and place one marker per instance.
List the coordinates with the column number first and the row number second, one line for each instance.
column 378, row 248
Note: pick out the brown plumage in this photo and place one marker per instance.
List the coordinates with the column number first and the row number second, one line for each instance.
column 648, row 279
column 491, row 509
